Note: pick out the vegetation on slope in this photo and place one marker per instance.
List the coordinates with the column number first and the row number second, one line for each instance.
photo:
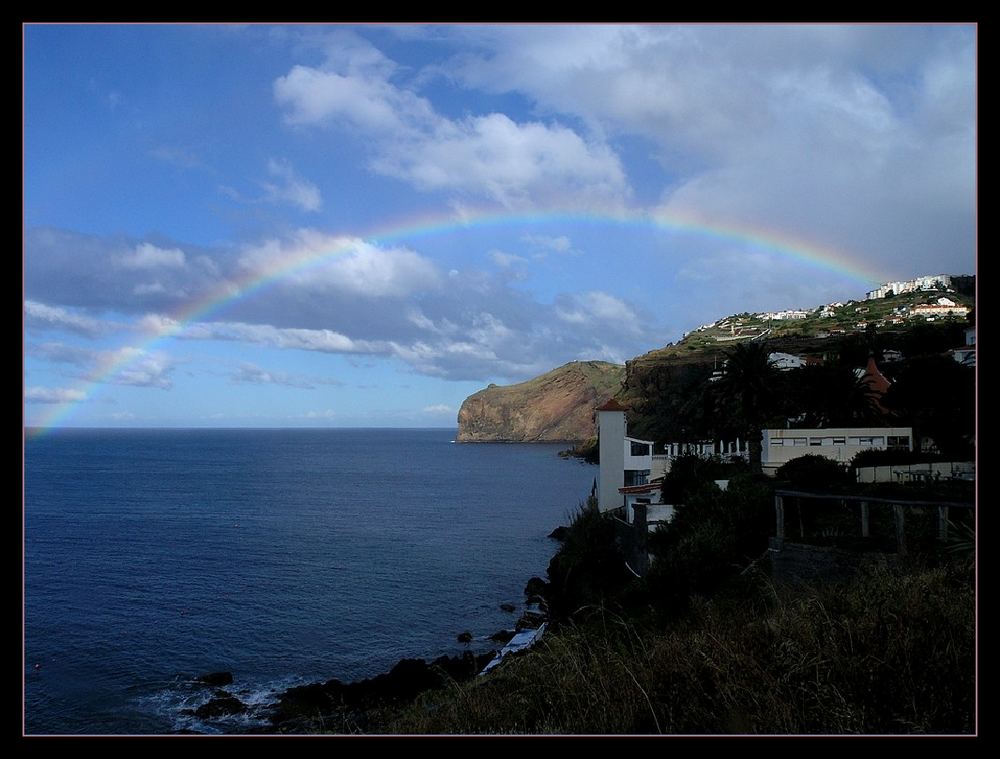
column 891, row 653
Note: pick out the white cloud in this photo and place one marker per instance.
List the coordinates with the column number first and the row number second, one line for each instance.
column 514, row 164
column 41, row 316
column 322, row 340
column 438, row 408
column 860, row 137
column 295, row 190
column 597, row 308
column 149, row 288
column 53, row 395
column 61, row 353
column 128, row 365
column 137, row 367
column 506, row 260
column 148, row 256
column 318, row 261
column 560, row 244
column 248, row 373
column 489, row 155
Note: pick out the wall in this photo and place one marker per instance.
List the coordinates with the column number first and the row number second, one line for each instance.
column 611, row 429
column 903, row 472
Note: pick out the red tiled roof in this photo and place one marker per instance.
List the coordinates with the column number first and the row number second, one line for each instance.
column 612, row 405
column 874, row 378
column 649, row 487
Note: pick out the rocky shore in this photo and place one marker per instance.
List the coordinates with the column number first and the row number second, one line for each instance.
column 334, row 706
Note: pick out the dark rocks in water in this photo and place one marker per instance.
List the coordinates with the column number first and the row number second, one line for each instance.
column 465, row 637
column 503, row 636
column 308, row 700
column 508, row 607
column 215, row 679
column 403, row 683
column 559, row 533
column 462, row 667
column 220, row 706
column 536, row 601
column 536, row 587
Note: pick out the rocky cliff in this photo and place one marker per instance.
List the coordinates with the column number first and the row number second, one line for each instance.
column 557, row 406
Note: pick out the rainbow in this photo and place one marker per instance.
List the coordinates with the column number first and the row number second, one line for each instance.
column 258, row 280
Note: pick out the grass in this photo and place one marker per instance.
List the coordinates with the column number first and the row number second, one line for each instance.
column 891, row 653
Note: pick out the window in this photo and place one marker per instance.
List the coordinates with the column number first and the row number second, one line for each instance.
column 868, row 442
column 815, row 441
column 898, row 442
column 639, row 449
column 636, row 477
column 839, row 441
column 798, row 441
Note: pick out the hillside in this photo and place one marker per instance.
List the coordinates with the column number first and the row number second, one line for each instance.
column 657, row 385
column 556, row 407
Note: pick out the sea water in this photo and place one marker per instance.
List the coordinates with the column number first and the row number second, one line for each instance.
column 282, row 556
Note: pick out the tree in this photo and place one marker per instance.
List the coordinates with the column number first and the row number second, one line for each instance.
column 746, row 396
column 937, row 396
column 831, row 396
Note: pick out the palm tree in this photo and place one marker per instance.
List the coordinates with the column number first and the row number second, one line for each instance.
column 747, row 396
column 832, row 396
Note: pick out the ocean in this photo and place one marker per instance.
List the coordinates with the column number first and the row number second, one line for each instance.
column 282, row 556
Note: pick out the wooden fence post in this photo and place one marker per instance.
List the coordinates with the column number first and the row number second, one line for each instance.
column 900, row 517
column 865, row 530
column 779, row 514
column 943, row 522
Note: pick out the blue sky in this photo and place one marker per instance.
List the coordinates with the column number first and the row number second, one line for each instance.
column 466, row 204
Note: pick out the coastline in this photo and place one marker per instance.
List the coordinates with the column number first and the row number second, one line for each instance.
column 334, row 706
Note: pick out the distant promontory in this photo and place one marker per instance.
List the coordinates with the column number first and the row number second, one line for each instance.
column 555, row 407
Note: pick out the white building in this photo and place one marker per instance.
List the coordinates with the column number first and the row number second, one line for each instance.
column 937, row 309
column 783, row 315
column 839, row 444
column 929, row 282
column 626, row 462
column 785, row 361
column 630, row 472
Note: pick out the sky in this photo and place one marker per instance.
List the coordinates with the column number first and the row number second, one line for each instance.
column 360, row 226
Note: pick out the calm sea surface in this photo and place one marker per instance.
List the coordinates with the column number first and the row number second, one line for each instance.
column 283, row 556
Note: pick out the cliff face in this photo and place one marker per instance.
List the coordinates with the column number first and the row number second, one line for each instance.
column 557, row 406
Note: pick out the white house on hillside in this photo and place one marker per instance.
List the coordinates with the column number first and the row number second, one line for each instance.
column 785, row 361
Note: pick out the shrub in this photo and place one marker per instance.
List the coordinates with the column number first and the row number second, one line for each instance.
column 713, row 536
column 812, row 470
column 877, row 457
column 589, row 567
column 689, row 473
